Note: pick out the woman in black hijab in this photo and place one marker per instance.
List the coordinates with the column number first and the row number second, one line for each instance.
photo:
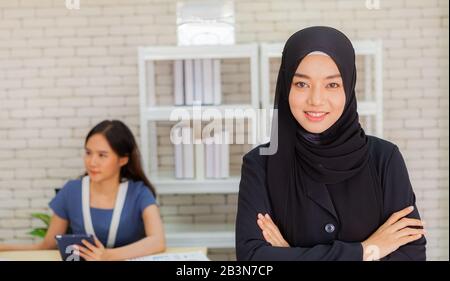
column 330, row 192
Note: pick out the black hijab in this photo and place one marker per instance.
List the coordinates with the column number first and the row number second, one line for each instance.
column 308, row 161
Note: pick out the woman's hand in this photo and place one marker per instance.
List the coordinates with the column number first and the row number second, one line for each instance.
column 270, row 231
column 93, row 253
column 393, row 234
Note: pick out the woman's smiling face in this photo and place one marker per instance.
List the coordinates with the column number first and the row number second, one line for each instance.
column 317, row 96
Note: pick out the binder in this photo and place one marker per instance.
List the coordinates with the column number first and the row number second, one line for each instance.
column 189, row 81
column 178, row 82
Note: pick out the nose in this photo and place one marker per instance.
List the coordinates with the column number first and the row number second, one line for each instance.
column 316, row 97
column 91, row 160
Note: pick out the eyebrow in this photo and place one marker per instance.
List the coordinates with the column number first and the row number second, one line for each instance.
column 307, row 77
column 99, row 151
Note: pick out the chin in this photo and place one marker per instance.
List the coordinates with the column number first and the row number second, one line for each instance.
column 95, row 178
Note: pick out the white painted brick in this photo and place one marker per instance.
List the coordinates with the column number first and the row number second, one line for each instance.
column 18, row 13
column 72, row 21
column 71, row 82
column 38, row 83
column 12, row 144
column 209, row 199
column 93, row 31
column 64, row 173
column 91, row 111
column 110, row 80
column 42, row 143
column 176, row 199
column 6, row 214
column 14, row 223
column 40, row 123
column 224, row 208
column 59, row 52
column 117, row 10
column 10, row 203
column 197, row 209
column 59, row 112
column 74, row 122
column 48, row 185
column 55, row 133
column 92, row 51
column 71, row 62
column 6, row 175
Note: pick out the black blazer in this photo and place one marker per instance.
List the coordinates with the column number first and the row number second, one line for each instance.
column 328, row 237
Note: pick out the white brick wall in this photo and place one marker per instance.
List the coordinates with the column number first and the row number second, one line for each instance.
column 63, row 71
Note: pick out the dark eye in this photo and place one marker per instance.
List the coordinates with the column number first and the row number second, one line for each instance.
column 301, row 84
column 333, row 85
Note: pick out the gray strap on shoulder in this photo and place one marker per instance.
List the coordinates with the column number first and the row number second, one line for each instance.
column 85, row 192
column 120, row 202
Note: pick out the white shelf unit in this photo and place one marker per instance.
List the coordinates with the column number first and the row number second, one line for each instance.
column 183, row 235
column 150, row 112
column 373, row 79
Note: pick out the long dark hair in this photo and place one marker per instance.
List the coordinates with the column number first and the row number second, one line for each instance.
column 122, row 142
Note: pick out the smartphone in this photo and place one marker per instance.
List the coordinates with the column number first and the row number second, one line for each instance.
column 67, row 242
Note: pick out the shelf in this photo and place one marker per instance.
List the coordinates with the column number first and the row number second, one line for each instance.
column 163, row 113
column 193, row 186
column 200, row 235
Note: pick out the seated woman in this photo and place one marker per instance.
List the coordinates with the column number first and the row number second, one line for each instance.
column 114, row 201
column 329, row 192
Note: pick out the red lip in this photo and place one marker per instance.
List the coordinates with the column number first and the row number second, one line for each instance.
column 315, row 118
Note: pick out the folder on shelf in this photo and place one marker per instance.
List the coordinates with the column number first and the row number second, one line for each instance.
column 178, row 82
column 188, row 82
column 199, row 161
column 217, row 83
column 198, row 81
column 208, row 89
column 225, row 156
column 178, row 154
column 209, row 158
column 188, row 153
column 217, row 156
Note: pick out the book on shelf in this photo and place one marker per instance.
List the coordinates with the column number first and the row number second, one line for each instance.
column 184, row 154
column 178, row 153
column 188, row 153
column 178, row 75
column 208, row 89
column 188, row 82
column 199, row 161
column 198, row 81
column 217, row 156
column 209, row 158
column 217, row 83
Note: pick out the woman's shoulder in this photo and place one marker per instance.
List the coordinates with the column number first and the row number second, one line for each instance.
column 72, row 185
column 381, row 149
column 254, row 156
column 139, row 188
column 382, row 152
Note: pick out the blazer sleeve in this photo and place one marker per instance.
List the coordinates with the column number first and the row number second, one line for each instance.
column 398, row 194
column 251, row 245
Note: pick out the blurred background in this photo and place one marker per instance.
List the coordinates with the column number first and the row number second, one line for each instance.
column 64, row 68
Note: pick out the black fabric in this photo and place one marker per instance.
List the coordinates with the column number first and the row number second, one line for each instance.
column 307, row 162
column 393, row 194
